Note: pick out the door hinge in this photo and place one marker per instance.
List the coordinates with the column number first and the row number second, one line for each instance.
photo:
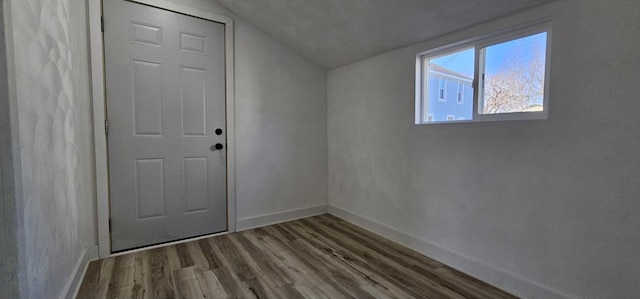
column 109, row 224
column 106, row 127
column 102, row 23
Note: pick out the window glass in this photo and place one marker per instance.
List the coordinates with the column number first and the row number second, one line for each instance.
column 513, row 75
column 496, row 77
column 460, row 98
column 442, row 82
column 449, row 79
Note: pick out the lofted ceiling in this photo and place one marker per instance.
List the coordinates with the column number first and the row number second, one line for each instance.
column 333, row 33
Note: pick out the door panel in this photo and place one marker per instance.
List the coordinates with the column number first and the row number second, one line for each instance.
column 195, row 185
column 149, row 188
column 194, row 101
column 147, row 98
column 165, row 79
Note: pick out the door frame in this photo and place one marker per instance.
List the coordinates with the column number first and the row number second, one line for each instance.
column 99, row 112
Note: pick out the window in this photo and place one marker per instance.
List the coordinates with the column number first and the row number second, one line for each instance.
column 442, row 85
column 502, row 76
column 451, row 117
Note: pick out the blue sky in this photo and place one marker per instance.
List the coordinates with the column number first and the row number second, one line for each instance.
column 463, row 60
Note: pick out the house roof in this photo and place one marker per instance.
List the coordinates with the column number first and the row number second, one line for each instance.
column 333, row 33
column 444, row 70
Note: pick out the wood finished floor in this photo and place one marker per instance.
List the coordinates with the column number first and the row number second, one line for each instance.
column 317, row 257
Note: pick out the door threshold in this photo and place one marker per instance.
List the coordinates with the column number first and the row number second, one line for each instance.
column 125, row 252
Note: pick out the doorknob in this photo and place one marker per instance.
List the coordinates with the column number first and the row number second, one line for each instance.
column 217, row 146
column 218, row 132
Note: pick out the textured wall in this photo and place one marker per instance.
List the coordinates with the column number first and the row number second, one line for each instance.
column 8, row 217
column 52, row 90
column 554, row 202
column 281, row 140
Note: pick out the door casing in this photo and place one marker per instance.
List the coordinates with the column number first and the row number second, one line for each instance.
column 99, row 113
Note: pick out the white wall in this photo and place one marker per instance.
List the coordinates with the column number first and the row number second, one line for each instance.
column 541, row 208
column 281, row 140
column 57, row 211
column 281, row 127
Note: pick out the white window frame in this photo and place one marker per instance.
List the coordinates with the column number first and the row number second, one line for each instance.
column 480, row 43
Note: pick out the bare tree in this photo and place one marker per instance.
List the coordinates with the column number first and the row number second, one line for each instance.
column 518, row 86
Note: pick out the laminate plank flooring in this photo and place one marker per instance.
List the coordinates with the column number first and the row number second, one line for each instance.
column 317, row 257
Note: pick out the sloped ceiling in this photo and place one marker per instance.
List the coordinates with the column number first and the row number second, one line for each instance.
column 333, row 33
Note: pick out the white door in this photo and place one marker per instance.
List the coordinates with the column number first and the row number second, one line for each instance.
column 165, row 89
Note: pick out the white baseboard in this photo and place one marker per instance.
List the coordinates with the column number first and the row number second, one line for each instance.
column 264, row 220
column 511, row 283
column 88, row 254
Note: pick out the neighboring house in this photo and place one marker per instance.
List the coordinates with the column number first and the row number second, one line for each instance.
column 534, row 108
column 450, row 95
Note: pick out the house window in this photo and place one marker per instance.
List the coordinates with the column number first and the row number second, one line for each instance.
column 501, row 76
column 451, row 117
column 442, row 85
